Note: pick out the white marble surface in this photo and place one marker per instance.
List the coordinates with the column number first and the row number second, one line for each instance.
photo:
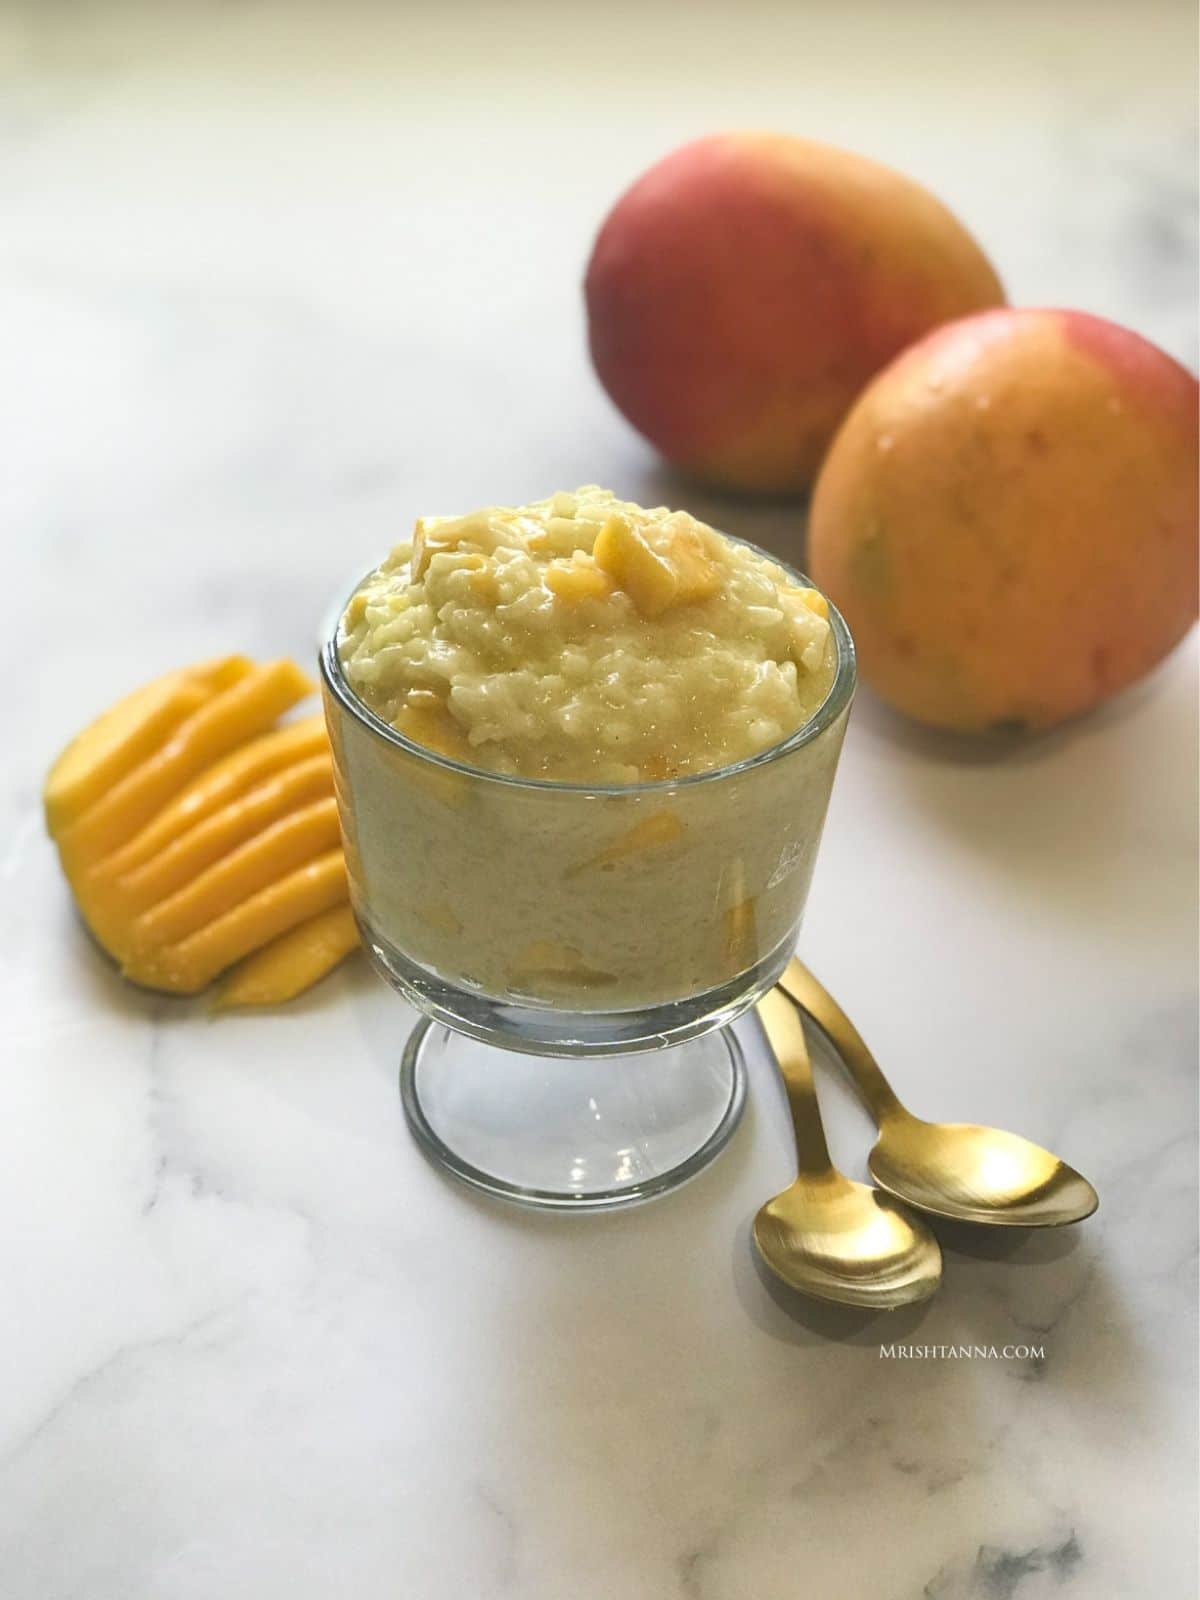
column 273, row 277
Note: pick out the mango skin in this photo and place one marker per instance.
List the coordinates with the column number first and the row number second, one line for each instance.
column 744, row 290
column 1008, row 519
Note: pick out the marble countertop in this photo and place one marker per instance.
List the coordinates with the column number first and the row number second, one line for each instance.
column 272, row 277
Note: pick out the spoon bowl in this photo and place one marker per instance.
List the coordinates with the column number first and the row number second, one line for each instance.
column 956, row 1170
column 826, row 1235
column 969, row 1173
column 843, row 1241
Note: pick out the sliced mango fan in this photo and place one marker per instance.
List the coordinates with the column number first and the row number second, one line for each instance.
column 199, row 834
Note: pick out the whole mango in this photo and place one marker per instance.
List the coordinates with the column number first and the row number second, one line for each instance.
column 1008, row 519
column 744, row 290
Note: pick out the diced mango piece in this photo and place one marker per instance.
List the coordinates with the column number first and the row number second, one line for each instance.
column 227, row 720
column 225, row 781
column 698, row 576
column 813, row 599
column 575, row 581
column 740, row 935
column 209, row 840
column 483, row 586
column 662, row 828
column 356, row 608
column 440, row 918
column 262, row 860
column 622, row 552
column 549, row 953
column 660, row 568
column 440, row 535
column 428, row 542
column 109, row 748
column 291, row 963
column 548, row 964
column 187, row 967
column 426, row 719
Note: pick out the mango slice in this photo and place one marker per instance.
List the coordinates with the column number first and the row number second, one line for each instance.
column 254, row 865
column 291, row 963
column 245, row 816
column 227, row 720
column 109, row 748
column 664, row 827
column 547, row 964
column 192, row 964
column 239, row 771
column 197, row 837
column 740, row 936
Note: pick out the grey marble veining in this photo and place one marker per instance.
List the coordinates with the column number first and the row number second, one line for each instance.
column 273, row 278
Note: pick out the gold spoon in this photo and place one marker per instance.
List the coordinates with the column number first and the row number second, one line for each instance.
column 953, row 1169
column 826, row 1235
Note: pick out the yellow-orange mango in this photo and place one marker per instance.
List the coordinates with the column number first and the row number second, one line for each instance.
column 111, row 746
column 213, row 838
column 194, row 840
column 661, row 828
column 227, row 720
column 217, row 787
column 625, row 554
column 577, row 581
column 547, row 964
column 291, row 963
column 427, row 719
column 269, row 855
column 1008, row 519
column 739, row 932
column 193, row 963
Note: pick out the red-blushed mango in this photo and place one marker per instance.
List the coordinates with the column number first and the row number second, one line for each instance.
column 1008, row 519
column 744, row 290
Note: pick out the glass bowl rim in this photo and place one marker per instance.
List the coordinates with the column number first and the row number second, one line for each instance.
column 837, row 699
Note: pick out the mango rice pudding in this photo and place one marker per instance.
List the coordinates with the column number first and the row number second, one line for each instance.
column 613, row 661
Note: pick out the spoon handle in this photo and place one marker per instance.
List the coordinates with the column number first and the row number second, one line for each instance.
column 870, row 1082
column 785, row 1033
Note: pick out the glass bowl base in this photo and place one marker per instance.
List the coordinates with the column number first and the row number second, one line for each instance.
column 561, row 1134
column 539, row 1028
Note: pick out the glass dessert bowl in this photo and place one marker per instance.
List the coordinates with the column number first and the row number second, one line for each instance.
column 579, row 829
